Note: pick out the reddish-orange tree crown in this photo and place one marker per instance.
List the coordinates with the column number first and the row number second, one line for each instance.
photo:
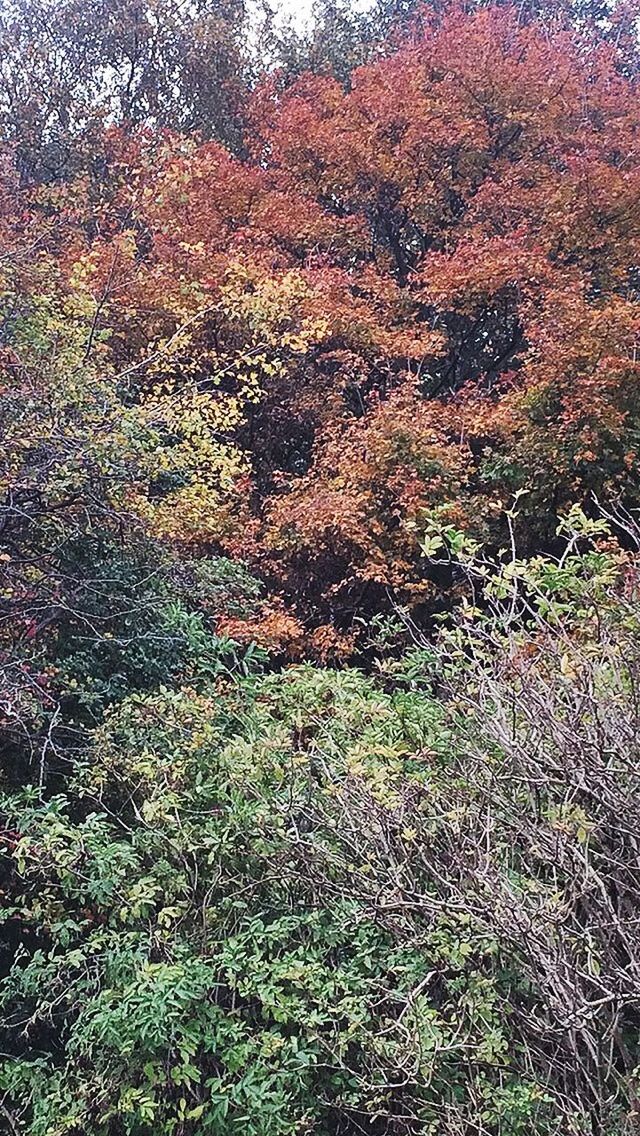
column 417, row 293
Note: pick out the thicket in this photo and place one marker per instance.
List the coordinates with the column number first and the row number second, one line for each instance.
column 319, row 571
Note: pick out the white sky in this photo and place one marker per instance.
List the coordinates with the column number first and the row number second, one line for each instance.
column 299, row 11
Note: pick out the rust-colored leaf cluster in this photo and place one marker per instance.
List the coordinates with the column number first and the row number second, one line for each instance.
column 418, row 293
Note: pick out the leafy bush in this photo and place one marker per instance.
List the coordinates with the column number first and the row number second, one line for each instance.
column 315, row 901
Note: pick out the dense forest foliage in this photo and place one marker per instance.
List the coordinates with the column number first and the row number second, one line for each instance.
column 319, row 569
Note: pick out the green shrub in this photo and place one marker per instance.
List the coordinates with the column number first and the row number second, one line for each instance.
column 316, row 902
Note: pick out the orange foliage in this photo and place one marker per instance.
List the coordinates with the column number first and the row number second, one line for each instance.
column 419, row 292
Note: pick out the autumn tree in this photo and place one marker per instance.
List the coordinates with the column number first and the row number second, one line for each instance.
column 419, row 292
column 415, row 292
